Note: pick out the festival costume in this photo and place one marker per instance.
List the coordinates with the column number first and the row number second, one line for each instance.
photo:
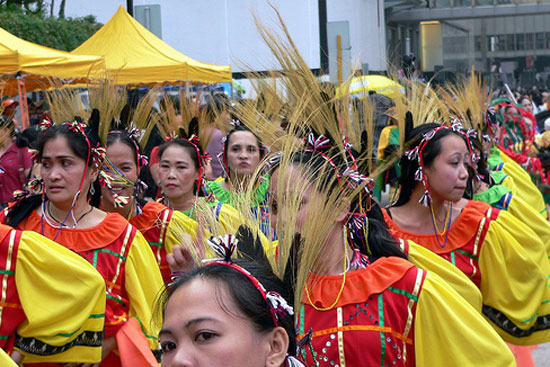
column 227, row 217
column 5, row 360
column 431, row 262
column 498, row 161
column 124, row 259
column 36, row 275
column 492, row 253
column 260, row 208
column 389, row 307
column 156, row 223
column 501, row 197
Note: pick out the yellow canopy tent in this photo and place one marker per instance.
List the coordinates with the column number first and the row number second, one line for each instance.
column 25, row 66
column 134, row 55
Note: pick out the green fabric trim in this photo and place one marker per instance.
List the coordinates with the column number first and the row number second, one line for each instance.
column 158, row 244
column 498, row 176
column 7, row 272
column 493, row 195
column 381, row 324
column 94, row 262
column 467, row 254
column 4, row 337
column 143, row 329
column 403, row 293
column 112, row 253
column 97, row 316
column 453, row 260
column 115, row 299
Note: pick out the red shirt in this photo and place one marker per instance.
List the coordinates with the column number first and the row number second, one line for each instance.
column 10, row 180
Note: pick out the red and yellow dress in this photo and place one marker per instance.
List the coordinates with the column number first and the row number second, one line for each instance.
column 159, row 225
column 125, row 261
column 506, row 261
column 52, row 304
column 392, row 313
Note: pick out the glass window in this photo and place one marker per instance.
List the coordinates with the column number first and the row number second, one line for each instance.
column 510, row 42
column 462, row 3
column 539, row 40
column 477, row 43
column 502, row 2
column 547, row 40
column 501, row 43
column 529, row 41
column 483, row 2
column 520, row 42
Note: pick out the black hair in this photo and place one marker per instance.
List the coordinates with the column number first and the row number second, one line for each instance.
column 239, row 128
column 79, row 145
column 407, row 181
column 243, row 292
column 123, row 137
column 28, row 138
column 380, row 242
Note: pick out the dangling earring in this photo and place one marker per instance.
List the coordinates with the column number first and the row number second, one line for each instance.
column 92, row 189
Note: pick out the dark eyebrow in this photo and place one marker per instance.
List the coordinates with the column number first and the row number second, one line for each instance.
column 177, row 162
column 190, row 323
column 59, row 157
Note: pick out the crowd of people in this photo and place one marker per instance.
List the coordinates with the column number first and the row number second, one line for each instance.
column 250, row 233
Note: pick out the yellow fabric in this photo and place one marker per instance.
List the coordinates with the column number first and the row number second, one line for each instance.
column 134, row 55
column 61, row 294
column 18, row 55
column 449, row 332
column 384, row 140
column 431, row 262
column 526, row 214
column 526, row 189
column 5, row 360
column 515, row 271
column 180, row 223
column 143, row 283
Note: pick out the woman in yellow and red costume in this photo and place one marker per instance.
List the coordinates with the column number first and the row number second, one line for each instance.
column 490, row 246
column 71, row 158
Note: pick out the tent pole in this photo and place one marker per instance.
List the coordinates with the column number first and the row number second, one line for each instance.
column 23, row 102
column 130, row 7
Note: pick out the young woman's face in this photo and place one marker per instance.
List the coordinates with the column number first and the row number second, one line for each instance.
column 123, row 157
column 177, row 172
column 62, row 171
column 448, row 173
column 243, row 155
column 198, row 332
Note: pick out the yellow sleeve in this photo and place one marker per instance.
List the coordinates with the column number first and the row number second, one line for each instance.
column 383, row 141
column 179, row 224
column 5, row 360
column 442, row 315
column 143, row 283
column 525, row 186
column 509, row 183
column 431, row 262
column 527, row 215
column 63, row 298
column 514, row 281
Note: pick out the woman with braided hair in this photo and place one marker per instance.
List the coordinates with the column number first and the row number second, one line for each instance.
column 71, row 159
